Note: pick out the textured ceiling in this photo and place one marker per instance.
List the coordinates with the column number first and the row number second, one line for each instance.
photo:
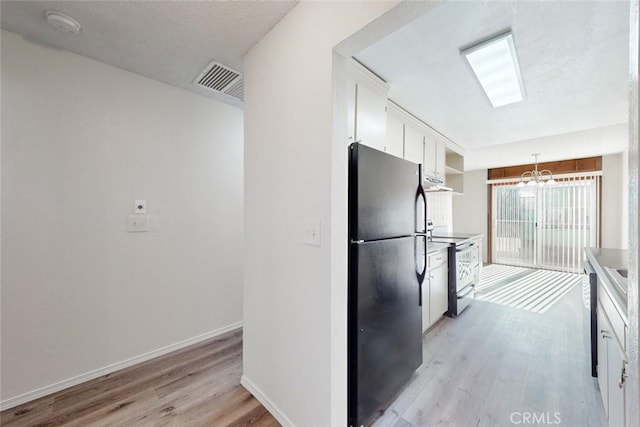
column 573, row 57
column 170, row 41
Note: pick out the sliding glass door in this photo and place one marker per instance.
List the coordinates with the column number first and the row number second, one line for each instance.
column 545, row 226
column 514, row 214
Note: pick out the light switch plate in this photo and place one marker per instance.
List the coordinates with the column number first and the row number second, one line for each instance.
column 140, row 206
column 312, row 232
column 138, row 223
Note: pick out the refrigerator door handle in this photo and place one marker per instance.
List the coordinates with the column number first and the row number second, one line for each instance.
column 420, row 275
column 424, row 200
column 420, row 234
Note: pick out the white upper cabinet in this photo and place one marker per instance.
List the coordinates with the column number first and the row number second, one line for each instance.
column 429, row 161
column 395, row 140
column 370, row 111
column 440, row 158
column 413, row 143
column 430, row 158
column 352, row 87
column 378, row 122
column 371, row 117
column 434, row 154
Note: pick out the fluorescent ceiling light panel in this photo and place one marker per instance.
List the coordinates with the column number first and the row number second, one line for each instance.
column 495, row 64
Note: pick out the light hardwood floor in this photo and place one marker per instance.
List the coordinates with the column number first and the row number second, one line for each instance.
column 494, row 361
column 478, row 369
column 196, row 386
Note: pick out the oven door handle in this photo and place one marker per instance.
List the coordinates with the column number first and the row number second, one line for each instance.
column 465, row 247
column 466, row 291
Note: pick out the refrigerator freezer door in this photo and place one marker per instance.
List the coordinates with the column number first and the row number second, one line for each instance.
column 385, row 324
column 382, row 195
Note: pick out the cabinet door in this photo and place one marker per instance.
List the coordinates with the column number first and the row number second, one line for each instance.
column 604, row 331
column 426, row 285
column 413, row 143
column 439, row 298
column 440, row 158
column 430, row 156
column 615, row 365
column 351, row 109
column 394, row 141
column 371, row 117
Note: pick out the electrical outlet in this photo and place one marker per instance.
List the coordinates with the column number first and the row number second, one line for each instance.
column 312, row 232
column 138, row 223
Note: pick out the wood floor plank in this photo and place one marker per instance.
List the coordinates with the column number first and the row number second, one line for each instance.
column 494, row 361
column 195, row 386
column 478, row 369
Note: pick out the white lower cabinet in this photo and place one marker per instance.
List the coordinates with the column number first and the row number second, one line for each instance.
column 611, row 370
column 436, row 287
column 615, row 372
column 604, row 331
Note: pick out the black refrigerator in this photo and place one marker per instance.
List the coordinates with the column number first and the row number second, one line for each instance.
column 387, row 265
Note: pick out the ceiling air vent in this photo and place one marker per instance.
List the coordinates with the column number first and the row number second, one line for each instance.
column 218, row 78
column 236, row 90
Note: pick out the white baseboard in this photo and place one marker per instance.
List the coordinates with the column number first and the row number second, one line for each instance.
column 69, row 382
column 266, row 402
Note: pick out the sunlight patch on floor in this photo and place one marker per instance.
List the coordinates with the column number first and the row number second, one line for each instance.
column 532, row 290
column 494, row 274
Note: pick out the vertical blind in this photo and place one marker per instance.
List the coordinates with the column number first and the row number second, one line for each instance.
column 546, row 226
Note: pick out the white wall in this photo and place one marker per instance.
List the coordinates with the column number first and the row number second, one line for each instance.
column 470, row 210
column 614, row 200
column 585, row 143
column 80, row 141
column 440, row 210
column 288, row 130
column 624, row 208
column 295, row 168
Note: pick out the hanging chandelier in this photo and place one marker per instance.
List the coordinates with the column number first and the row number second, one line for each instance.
column 540, row 177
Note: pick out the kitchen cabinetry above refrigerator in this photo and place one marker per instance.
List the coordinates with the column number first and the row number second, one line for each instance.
column 422, row 144
column 379, row 123
column 368, row 110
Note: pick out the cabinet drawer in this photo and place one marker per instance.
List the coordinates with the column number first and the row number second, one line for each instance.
column 437, row 259
column 617, row 324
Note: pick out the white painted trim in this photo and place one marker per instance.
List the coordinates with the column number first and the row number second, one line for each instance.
column 266, row 402
column 362, row 74
column 78, row 379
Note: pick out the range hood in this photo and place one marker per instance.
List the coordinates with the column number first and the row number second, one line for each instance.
column 432, row 185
